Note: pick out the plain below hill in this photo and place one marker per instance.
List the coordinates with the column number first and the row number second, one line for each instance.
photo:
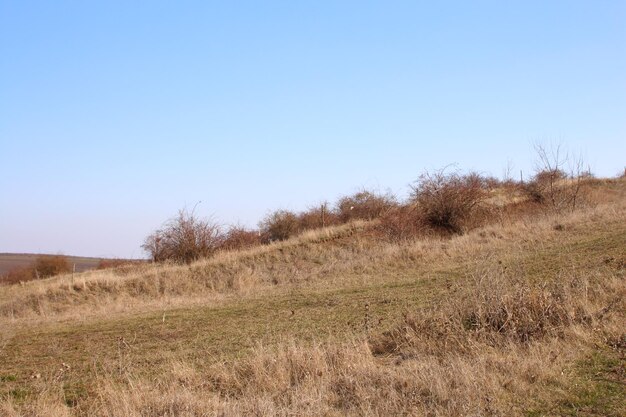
column 12, row 261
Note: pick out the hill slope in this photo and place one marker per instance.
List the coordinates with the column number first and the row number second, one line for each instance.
column 522, row 317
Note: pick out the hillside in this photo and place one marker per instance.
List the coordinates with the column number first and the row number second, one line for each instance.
column 522, row 316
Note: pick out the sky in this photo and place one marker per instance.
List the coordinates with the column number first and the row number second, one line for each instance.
column 115, row 114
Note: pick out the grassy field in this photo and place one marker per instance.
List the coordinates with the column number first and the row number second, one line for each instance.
column 11, row 261
column 524, row 316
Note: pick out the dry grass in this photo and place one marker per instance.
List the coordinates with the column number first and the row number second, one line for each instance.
column 437, row 364
column 520, row 317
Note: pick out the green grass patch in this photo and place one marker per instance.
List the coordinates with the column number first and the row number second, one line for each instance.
column 597, row 389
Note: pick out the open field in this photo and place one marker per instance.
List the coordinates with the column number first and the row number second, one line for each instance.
column 523, row 316
column 11, row 261
column 19, row 267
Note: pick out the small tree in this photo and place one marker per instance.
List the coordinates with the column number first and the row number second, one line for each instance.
column 184, row 238
column 558, row 178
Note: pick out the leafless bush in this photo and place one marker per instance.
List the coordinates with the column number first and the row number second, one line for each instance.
column 184, row 238
column 557, row 183
column 364, row 205
column 279, row 225
column 317, row 217
column 401, row 223
column 447, row 201
column 238, row 237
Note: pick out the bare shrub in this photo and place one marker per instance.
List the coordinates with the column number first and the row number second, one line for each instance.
column 558, row 179
column 279, row 225
column 317, row 217
column 492, row 183
column 401, row 223
column 184, row 238
column 543, row 187
column 50, row 265
column 447, row 201
column 364, row 205
column 238, row 237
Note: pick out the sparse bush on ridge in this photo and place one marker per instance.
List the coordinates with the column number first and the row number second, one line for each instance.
column 238, row 237
column 553, row 186
column 492, row 183
column 317, row 217
column 441, row 201
column 401, row 223
column 184, row 238
column 364, row 205
column 279, row 225
column 446, row 201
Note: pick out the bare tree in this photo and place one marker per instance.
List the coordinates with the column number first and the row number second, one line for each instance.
column 558, row 178
column 507, row 177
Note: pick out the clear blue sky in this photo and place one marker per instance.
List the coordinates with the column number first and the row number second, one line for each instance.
column 115, row 114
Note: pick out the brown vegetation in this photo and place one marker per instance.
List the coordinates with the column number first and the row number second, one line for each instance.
column 184, row 238
column 118, row 263
column 17, row 275
column 279, row 225
column 50, row 265
column 318, row 217
column 44, row 266
column 441, row 202
column 238, row 237
column 364, row 205
column 552, row 186
column 446, row 201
